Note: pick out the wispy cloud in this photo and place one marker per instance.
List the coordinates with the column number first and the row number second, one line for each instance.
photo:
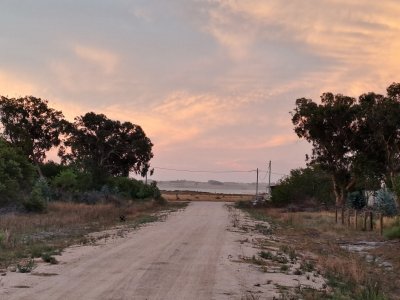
column 105, row 60
column 211, row 79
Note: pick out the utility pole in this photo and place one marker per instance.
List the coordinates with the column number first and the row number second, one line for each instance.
column 269, row 177
column 257, row 186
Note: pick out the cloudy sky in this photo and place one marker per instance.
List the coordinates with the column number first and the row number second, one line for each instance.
column 211, row 82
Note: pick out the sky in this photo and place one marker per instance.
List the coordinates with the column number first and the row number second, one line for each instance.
column 211, row 82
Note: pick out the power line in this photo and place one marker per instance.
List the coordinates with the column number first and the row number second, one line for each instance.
column 204, row 171
column 274, row 173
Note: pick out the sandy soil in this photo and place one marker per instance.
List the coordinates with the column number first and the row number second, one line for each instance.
column 195, row 254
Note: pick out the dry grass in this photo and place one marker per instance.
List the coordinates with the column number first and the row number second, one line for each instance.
column 201, row 196
column 25, row 235
column 350, row 275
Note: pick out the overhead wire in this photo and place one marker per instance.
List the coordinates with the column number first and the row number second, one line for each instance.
column 205, row 171
column 217, row 171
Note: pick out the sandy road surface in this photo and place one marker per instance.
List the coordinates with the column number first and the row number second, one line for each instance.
column 189, row 256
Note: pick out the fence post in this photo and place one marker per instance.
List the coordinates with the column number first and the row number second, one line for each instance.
column 371, row 220
column 348, row 218
column 381, row 223
column 365, row 221
column 336, row 214
column 356, row 220
column 342, row 215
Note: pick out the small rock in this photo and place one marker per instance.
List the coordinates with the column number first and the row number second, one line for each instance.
column 386, row 265
column 12, row 269
column 257, row 284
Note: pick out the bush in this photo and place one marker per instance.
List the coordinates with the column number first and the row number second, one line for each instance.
column 124, row 186
column 49, row 258
column 356, row 200
column 65, row 184
column 133, row 189
column 39, row 197
column 51, row 169
column 393, row 232
column 16, row 175
column 66, row 180
column 26, row 266
column 303, row 185
column 385, row 203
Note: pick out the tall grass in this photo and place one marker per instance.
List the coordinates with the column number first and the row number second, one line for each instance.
column 31, row 235
column 349, row 275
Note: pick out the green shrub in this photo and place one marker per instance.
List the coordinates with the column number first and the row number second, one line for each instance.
column 26, row 266
column 51, row 169
column 155, row 190
column 16, row 174
column 385, row 203
column 393, row 232
column 266, row 255
column 284, row 268
column 303, row 185
column 66, row 180
column 356, row 200
column 85, row 181
column 307, row 266
column 39, row 197
column 124, row 186
column 47, row 257
column 65, row 184
column 132, row 189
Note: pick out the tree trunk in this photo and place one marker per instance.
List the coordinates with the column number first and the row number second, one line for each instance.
column 39, row 171
column 339, row 192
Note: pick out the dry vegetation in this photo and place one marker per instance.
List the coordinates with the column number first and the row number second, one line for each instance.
column 203, row 196
column 350, row 275
column 35, row 235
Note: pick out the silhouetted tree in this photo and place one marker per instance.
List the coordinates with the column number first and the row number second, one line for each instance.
column 106, row 147
column 31, row 125
column 378, row 133
column 329, row 127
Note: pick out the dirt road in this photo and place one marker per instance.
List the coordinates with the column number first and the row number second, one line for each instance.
column 206, row 251
column 185, row 257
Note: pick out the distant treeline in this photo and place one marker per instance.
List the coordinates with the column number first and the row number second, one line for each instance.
column 97, row 154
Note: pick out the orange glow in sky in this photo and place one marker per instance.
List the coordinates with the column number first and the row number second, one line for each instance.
column 211, row 82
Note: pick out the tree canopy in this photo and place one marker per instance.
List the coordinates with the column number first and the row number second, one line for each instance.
column 329, row 128
column 104, row 146
column 31, row 125
column 357, row 141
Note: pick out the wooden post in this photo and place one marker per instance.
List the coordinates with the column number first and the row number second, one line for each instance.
column 371, row 221
column 336, row 214
column 356, row 219
column 342, row 215
column 365, row 221
column 348, row 218
column 381, row 223
column 257, row 187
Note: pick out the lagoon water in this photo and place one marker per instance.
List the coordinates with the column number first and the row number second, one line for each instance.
column 219, row 188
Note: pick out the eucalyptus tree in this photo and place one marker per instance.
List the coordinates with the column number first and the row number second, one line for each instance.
column 329, row 127
column 106, row 147
column 31, row 126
